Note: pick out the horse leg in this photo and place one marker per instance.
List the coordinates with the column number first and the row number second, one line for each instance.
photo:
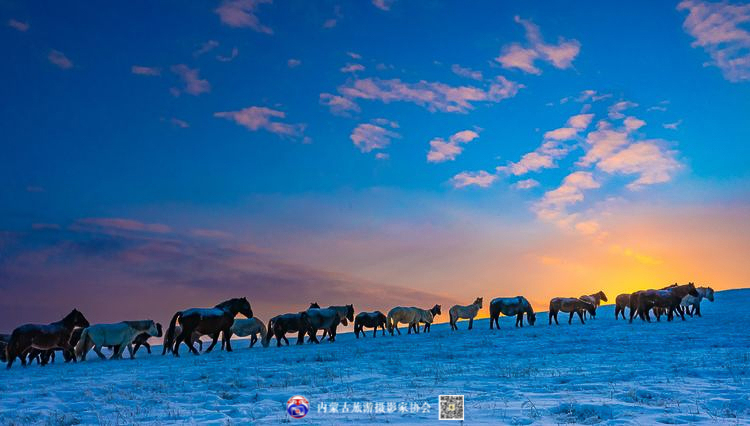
column 570, row 318
column 147, row 346
column 98, row 350
column 519, row 320
column 580, row 315
column 697, row 310
column 227, row 334
column 253, row 340
column 131, row 352
column 214, row 339
column 471, row 323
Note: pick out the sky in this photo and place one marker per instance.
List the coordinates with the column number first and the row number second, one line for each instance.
column 163, row 155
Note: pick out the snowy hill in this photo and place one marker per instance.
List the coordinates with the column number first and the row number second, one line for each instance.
column 697, row 371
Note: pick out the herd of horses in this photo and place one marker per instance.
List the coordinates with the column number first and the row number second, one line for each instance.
column 75, row 337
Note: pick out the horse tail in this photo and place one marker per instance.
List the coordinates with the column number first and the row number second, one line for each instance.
column 453, row 314
column 11, row 349
column 169, row 335
column 82, row 342
column 263, row 330
column 267, row 334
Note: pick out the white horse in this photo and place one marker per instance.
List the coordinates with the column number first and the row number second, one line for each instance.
column 412, row 316
column 694, row 302
column 250, row 327
column 119, row 334
column 468, row 312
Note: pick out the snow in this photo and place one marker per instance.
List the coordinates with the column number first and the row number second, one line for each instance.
column 603, row 372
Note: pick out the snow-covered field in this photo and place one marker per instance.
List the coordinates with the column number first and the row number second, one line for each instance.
column 608, row 371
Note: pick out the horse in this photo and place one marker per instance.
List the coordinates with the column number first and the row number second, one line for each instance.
column 412, row 316
column 345, row 311
column 4, row 338
column 510, row 306
column 279, row 325
column 670, row 297
column 326, row 319
column 50, row 336
column 470, row 311
column 693, row 302
column 208, row 321
column 138, row 341
column 168, row 344
column 621, row 302
column 119, row 335
column 595, row 299
column 369, row 319
column 249, row 327
column 45, row 357
column 572, row 305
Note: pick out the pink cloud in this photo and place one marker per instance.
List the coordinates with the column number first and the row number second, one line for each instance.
column 229, row 58
column 467, row 72
column 18, row 25
column 523, row 57
column 58, row 58
column 293, row 63
column 481, row 179
column 431, row 95
column 716, row 27
column 442, row 150
column 672, row 126
column 368, row 137
column 553, row 206
column 338, row 105
column 526, row 184
column 242, row 14
column 179, row 123
column 633, row 123
column 45, row 226
column 206, row 47
column 350, row 68
column 210, row 233
column 141, row 70
column 256, row 118
column 615, row 111
column 383, row 4
column 121, row 224
column 194, row 85
column 651, row 162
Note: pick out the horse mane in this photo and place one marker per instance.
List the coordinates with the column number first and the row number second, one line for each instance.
column 70, row 317
column 141, row 325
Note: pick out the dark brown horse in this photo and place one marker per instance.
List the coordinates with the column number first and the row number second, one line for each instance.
column 280, row 325
column 510, row 306
column 369, row 319
column 669, row 298
column 168, row 344
column 572, row 305
column 44, row 337
column 621, row 302
column 208, row 321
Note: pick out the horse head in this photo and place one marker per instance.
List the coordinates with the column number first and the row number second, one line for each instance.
column 478, row 301
column 314, row 305
column 692, row 290
column 435, row 310
column 591, row 309
column 350, row 312
column 155, row 330
column 602, row 296
column 709, row 293
column 244, row 308
column 531, row 317
column 76, row 319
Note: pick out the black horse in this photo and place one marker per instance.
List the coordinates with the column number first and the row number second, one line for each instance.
column 44, row 337
column 208, row 321
column 280, row 325
column 45, row 357
column 369, row 319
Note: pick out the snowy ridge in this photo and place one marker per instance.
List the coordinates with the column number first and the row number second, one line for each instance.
column 605, row 371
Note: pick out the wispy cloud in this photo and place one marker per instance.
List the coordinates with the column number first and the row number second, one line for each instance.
column 339, row 105
column 293, row 63
column 383, row 4
column 652, row 162
column 351, row 68
column 526, row 184
column 256, row 118
column 234, row 53
column 242, row 14
column 615, row 110
column 194, row 85
column 332, row 22
column 59, row 59
column 45, row 226
column 481, row 179
column 442, row 150
column 206, row 47
column 368, row 137
column 179, row 123
column 524, row 56
column 673, row 125
column 141, row 70
column 718, row 28
column 121, row 224
column 467, row 72
column 18, row 25
column 554, row 205
column 434, row 96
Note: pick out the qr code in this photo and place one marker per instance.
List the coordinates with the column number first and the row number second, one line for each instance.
column 451, row 407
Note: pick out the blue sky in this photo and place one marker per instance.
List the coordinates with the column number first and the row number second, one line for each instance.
column 126, row 112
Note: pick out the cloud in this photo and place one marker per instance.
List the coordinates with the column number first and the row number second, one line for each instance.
column 33, row 188
column 210, row 233
column 141, row 70
column 672, row 126
column 338, row 105
column 716, row 27
column 551, row 149
column 601, row 143
column 255, row 118
column 179, row 123
column 229, row 58
column 632, row 123
column 352, row 68
column 332, row 22
column 432, row 95
column 58, row 58
column 18, row 25
column 194, row 85
column 293, row 63
column 553, row 206
column 615, row 111
column 383, row 4
column 481, row 179
column 592, row 95
column 354, row 55
column 467, row 72
column 442, row 150
column 206, row 47
column 242, row 14
column 45, row 226
column 120, row 224
column 368, row 137
column 639, row 257
column 650, row 161
column 523, row 57
column 526, row 184
column 588, row 227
